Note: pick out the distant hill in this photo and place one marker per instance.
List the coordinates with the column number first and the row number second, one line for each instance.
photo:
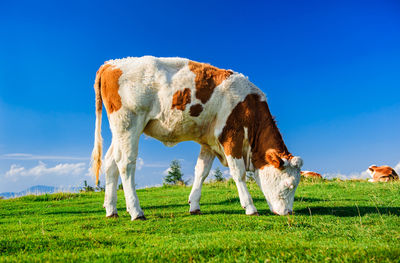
column 38, row 190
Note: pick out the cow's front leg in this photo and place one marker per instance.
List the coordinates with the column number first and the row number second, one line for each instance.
column 238, row 173
column 110, row 198
column 201, row 171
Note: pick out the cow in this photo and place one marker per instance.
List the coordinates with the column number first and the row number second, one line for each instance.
column 382, row 173
column 177, row 99
column 309, row 174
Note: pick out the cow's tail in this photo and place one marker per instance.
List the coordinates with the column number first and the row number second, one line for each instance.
column 98, row 140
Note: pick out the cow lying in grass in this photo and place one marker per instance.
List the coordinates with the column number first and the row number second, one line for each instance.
column 382, row 173
column 309, row 174
column 175, row 100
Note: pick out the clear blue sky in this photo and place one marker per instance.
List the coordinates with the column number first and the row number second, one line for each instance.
column 330, row 69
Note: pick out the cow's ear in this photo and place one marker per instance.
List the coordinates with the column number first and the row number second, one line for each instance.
column 272, row 157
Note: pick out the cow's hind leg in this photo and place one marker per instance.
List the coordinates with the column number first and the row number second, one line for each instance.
column 110, row 198
column 125, row 141
column 238, row 173
column 203, row 166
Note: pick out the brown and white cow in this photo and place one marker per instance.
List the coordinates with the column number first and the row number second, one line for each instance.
column 382, row 173
column 309, row 174
column 175, row 100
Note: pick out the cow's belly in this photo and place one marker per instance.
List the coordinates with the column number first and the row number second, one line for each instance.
column 171, row 134
column 173, row 129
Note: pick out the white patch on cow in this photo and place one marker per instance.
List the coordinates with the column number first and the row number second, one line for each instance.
column 279, row 186
column 371, row 173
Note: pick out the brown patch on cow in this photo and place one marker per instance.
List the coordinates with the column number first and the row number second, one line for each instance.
column 309, row 174
column 207, row 78
column 180, row 99
column 109, row 86
column 273, row 158
column 264, row 138
column 383, row 173
column 195, row 110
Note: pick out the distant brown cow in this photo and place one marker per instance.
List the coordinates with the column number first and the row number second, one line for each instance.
column 382, row 173
column 309, row 174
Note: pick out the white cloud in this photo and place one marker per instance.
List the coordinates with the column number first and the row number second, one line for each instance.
column 354, row 175
column 139, row 163
column 19, row 177
column 15, row 170
column 155, row 165
column 397, row 168
column 28, row 156
column 41, row 169
column 165, row 172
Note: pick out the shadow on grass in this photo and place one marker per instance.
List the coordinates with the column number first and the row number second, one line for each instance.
column 94, row 211
column 348, row 211
column 262, row 212
column 261, row 200
column 306, row 199
column 340, row 211
column 234, row 201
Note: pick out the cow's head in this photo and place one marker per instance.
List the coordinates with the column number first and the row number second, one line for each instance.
column 278, row 181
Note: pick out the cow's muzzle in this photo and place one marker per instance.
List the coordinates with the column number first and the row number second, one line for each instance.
column 287, row 212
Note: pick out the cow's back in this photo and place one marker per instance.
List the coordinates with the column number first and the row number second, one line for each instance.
column 145, row 79
column 182, row 99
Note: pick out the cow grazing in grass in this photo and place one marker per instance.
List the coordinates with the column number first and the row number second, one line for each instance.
column 175, row 100
column 382, row 173
column 309, row 174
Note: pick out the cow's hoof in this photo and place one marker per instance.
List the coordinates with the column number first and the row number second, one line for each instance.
column 254, row 214
column 141, row 218
column 113, row 216
column 195, row 212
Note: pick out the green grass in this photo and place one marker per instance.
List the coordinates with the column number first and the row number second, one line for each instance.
column 339, row 221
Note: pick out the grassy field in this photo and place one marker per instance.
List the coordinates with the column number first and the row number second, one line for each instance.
column 334, row 221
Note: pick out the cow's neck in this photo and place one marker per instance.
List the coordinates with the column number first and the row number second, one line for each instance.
column 265, row 136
